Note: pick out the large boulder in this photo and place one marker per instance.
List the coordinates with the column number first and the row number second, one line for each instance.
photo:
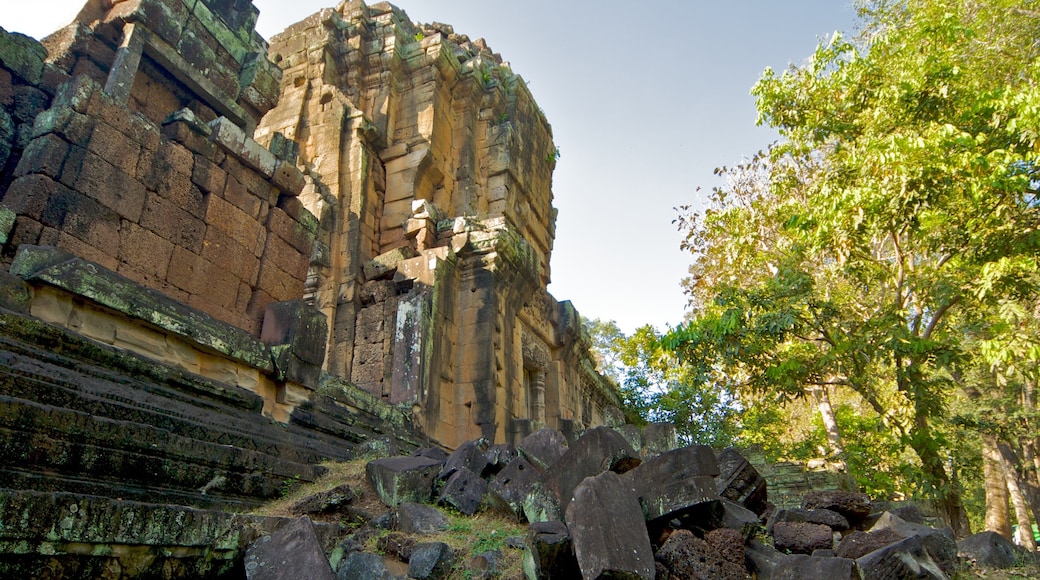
column 403, row 479
column 361, row 565
column 470, row 455
column 988, row 549
column 687, row 556
column 740, row 482
column 511, row 486
column 543, row 447
column 283, row 553
column 859, row 543
column 463, row 491
column 833, row 519
column 607, row 528
column 598, row 450
column 671, row 483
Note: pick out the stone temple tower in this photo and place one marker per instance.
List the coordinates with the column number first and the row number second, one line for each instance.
column 429, row 167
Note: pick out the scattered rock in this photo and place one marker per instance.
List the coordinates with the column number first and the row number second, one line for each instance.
column 802, row 567
column 598, row 450
column 827, row 517
column 675, row 481
column 360, row 565
column 905, row 559
column 324, row 502
column 511, row 486
column 469, row 455
column 283, row 553
column 430, row 561
column 414, row 518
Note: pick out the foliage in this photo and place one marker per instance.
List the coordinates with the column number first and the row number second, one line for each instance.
column 897, row 214
column 655, row 387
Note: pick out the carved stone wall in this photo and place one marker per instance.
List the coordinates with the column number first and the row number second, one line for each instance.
column 429, row 166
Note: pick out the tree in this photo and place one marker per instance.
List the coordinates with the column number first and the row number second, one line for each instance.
column 655, row 387
column 897, row 211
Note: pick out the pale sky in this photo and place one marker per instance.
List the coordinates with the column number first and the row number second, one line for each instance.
column 645, row 100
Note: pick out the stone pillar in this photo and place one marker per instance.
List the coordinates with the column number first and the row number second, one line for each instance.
column 538, row 397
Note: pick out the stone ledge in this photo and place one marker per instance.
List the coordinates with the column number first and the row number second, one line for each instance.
column 54, row 267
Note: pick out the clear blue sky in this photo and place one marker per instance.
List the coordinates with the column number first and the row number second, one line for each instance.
column 645, row 100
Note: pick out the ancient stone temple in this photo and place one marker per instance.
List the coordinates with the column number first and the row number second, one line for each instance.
column 222, row 263
column 429, row 167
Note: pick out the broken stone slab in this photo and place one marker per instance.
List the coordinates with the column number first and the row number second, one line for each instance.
column 939, row 542
column 607, row 528
column 632, row 434
column 598, row 450
column 988, row 549
column 858, row 543
column 674, row 481
column 826, row 517
column 403, row 479
column 430, row 561
column 416, row 518
column 385, row 264
column 283, row 553
column 541, row 504
column 296, row 333
column 543, row 447
column 549, row 552
column 907, row 558
column 687, row 556
column 853, row 506
column 508, row 490
column 362, row 565
column 802, row 567
column 739, row 481
column 802, row 537
column 325, row 502
column 463, row 491
column 469, row 455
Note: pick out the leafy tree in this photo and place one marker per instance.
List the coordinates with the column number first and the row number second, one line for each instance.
column 897, row 212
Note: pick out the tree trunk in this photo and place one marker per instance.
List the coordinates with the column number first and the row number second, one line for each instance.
column 998, row 517
column 949, row 502
column 1019, row 501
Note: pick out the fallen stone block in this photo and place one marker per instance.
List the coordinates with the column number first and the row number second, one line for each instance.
column 675, row 481
column 498, row 457
column 738, row 517
column 802, row 567
column 402, row 479
column 687, row 556
column 430, row 561
column 988, row 549
column 607, row 528
column 469, row 455
column 415, row 518
column 324, row 502
column 361, row 565
column 939, row 542
column 739, row 481
column 905, row 559
column 463, row 491
column 541, row 504
column 859, row 543
column 508, row 490
column 801, row 537
column 658, row 438
column 598, row 450
column 855, row 507
column 826, row 517
column 543, row 447
column 549, row 552
column 283, row 553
